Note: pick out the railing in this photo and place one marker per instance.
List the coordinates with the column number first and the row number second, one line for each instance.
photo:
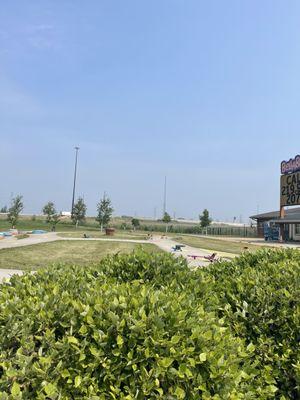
column 238, row 231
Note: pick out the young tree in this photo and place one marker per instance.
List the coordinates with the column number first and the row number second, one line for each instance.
column 52, row 217
column 135, row 223
column 123, row 226
column 55, row 221
column 104, row 212
column 49, row 210
column 205, row 220
column 4, row 210
column 15, row 210
column 166, row 219
column 79, row 211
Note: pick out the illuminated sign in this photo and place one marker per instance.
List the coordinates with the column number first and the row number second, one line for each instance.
column 290, row 189
column 293, row 165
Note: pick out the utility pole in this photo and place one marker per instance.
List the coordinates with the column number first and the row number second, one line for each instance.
column 165, row 197
column 74, row 183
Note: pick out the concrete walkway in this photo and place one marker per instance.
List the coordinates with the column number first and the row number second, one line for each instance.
column 11, row 241
column 7, row 273
column 167, row 244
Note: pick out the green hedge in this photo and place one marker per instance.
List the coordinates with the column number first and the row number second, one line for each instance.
column 143, row 326
column 259, row 296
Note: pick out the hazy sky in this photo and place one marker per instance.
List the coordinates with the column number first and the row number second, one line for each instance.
column 205, row 92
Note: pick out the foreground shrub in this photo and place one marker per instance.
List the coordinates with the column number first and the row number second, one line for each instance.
column 259, row 295
column 158, row 269
column 103, row 333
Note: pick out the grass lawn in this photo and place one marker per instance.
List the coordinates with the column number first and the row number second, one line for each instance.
column 67, row 229
column 70, row 252
column 28, row 225
column 98, row 234
column 225, row 246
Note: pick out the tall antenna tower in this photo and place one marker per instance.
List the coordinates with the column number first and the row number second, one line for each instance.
column 165, row 197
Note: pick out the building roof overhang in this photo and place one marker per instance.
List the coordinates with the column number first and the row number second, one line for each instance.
column 285, row 221
column 290, row 213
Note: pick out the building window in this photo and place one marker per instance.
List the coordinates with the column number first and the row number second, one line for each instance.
column 297, row 229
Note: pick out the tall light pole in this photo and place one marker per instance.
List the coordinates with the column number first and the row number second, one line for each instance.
column 75, row 175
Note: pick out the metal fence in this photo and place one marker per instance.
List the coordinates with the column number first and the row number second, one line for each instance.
column 238, row 231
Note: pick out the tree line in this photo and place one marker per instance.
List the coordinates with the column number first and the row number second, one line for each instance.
column 78, row 214
column 53, row 217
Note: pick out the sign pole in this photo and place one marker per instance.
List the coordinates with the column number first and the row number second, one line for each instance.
column 281, row 215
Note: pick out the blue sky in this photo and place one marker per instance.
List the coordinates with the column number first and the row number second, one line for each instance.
column 205, row 92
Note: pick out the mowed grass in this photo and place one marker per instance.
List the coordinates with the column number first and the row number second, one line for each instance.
column 27, row 223
column 35, row 256
column 224, row 246
column 65, row 228
column 96, row 234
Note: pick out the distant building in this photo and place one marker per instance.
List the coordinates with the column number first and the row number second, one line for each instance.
column 291, row 222
column 66, row 214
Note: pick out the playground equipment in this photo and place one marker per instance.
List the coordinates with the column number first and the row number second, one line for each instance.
column 211, row 257
column 178, row 247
